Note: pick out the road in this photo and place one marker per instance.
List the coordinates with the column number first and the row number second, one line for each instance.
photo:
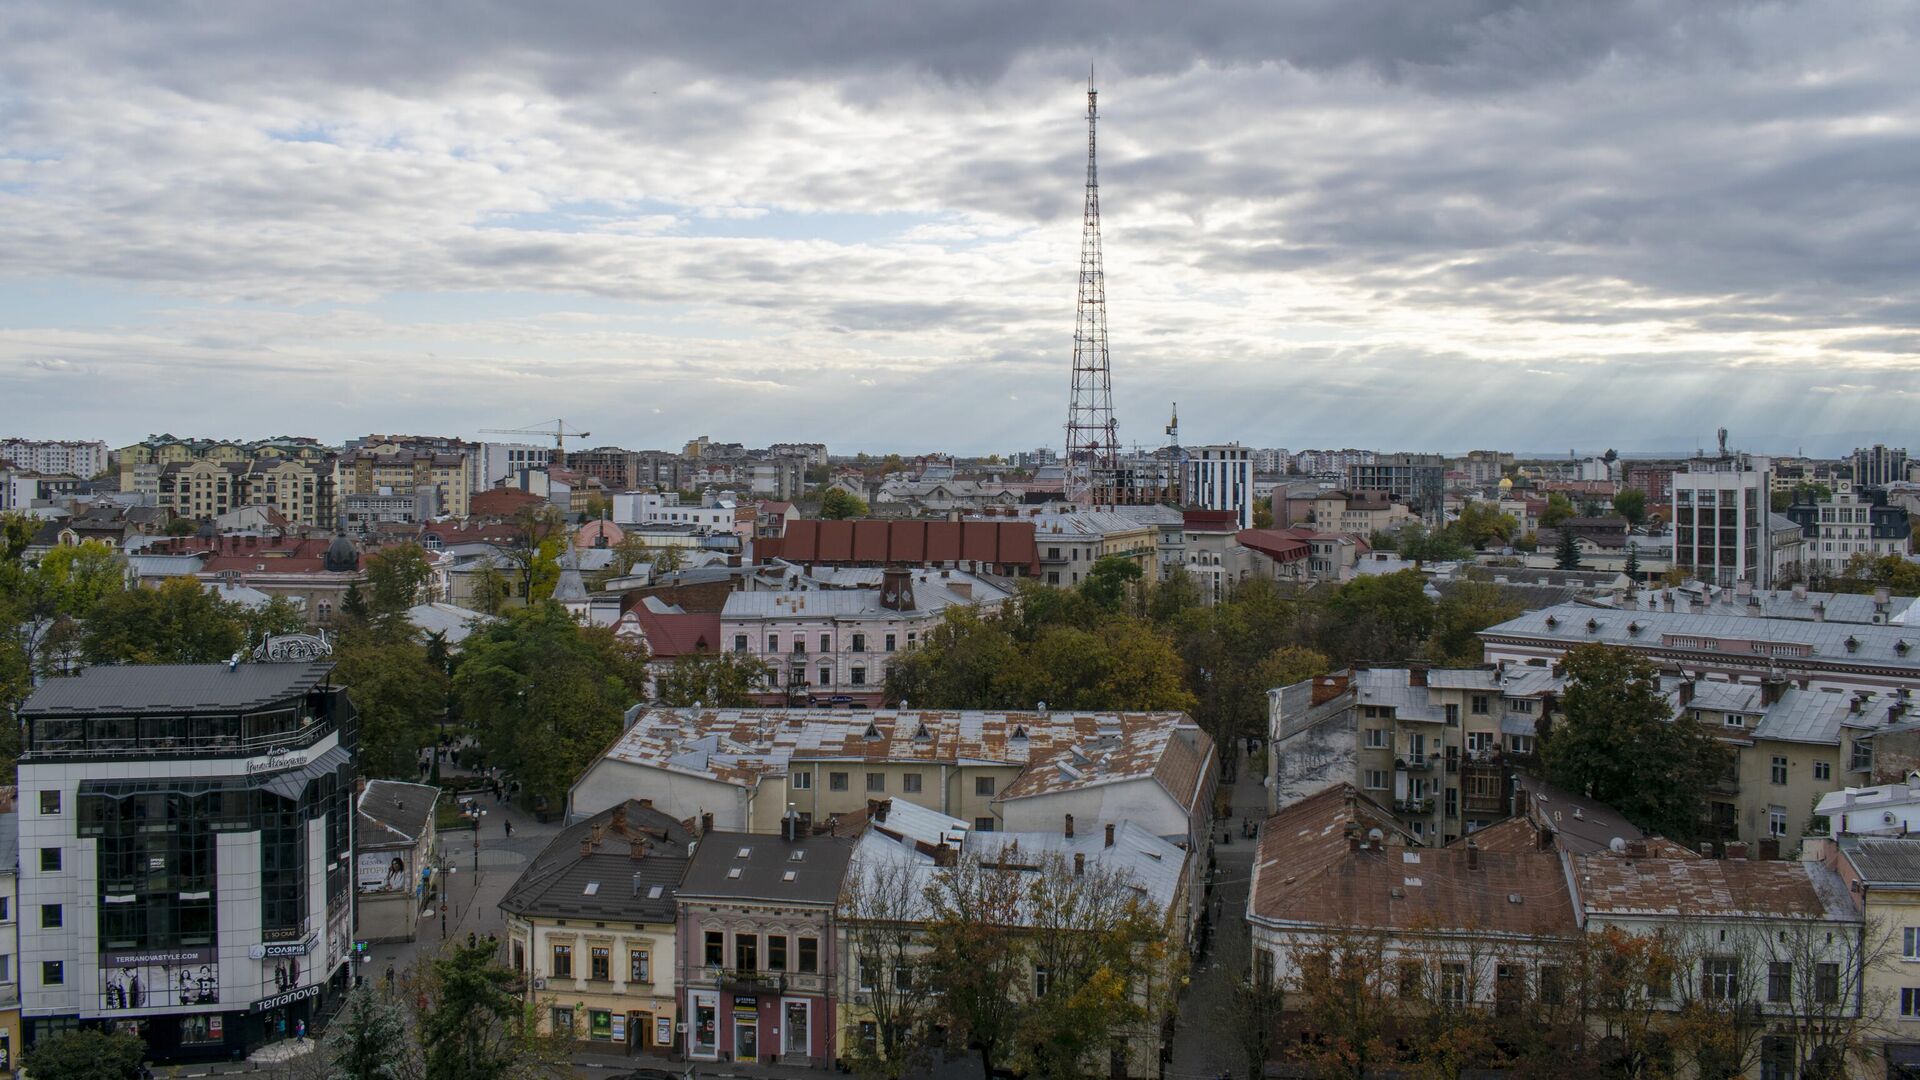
column 1205, row 1045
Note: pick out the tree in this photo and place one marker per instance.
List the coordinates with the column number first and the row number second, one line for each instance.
column 86, row 1054
column 1567, row 555
column 369, row 1039
column 1631, row 503
column 546, row 693
column 1617, row 741
column 837, row 504
column 1263, row 513
column 491, row 589
column 179, row 622
column 1559, row 508
column 1343, row 990
column 1865, row 573
column 1394, row 604
column 399, row 694
column 471, row 1024
column 1633, row 563
column 1466, row 608
column 1481, row 524
column 666, row 560
column 1108, row 581
column 539, row 538
column 1255, row 1011
column 396, row 581
column 882, row 902
column 717, row 680
column 973, row 965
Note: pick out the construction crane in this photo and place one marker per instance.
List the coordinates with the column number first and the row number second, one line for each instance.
column 555, row 428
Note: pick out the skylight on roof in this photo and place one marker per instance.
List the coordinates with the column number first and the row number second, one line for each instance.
column 734, row 873
column 799, row 854
column 654, row 893
column 743, row 853
column 789, row 875
column 592, row 888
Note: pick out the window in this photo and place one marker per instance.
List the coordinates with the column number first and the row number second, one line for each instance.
column 1910, row 1001
column 49, row 860
column 1453, row 715
column 739, row 643
column 1376, row 738
column 51, row 917
column 1909, row 949
column 869, row 1036
column 826, row 675
column 1826, row 983
column 1042, row 979
column 1376, row 779
column 1779, row 981
column 1720, row 978
column 1553, row 985
column 1409, row 976
column 863, row 976
column 1520, row 744
column 6, row 909
column 857, row 676
column 809, row 954
column 1823, row 770
column 1453, row 984
column 1779, row 770
column 1862, row 757
column 1479, row 704
column 1479, row 742
column 1732, row 720
column 773, row 643
column 600, row 964
column 53, row 972
column 1509, row 988
column 639, row 966
column 903, row 979
column 716, row 948
column 890, row 642
column 837, row 781
column 801, row 781
column 563, row 961
column 876, row 782
column 826, row 643
column 983, row 824
column 562, row 1020
column 983, row 785
column 777, row 952
column 1776, row 821
column 859, row 643
column 746, row 952
column 49, row 802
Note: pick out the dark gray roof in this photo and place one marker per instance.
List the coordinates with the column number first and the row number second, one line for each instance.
column 394, row 813
column 130, row 688
column 1884, row 860
column 589, row 871
column 764, row 866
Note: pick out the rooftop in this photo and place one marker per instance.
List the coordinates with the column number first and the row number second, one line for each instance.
column 755, row 866
column 1807, row 644
column 393, row 812
column 1883, row 860
column 167, row 688
column 623, row 863
column 1692, row 888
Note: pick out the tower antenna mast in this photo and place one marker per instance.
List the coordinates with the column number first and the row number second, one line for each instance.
column 1092, row 440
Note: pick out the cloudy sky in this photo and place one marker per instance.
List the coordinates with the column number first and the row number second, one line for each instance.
column 1445, row 224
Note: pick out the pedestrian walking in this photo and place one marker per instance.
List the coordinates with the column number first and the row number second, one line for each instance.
column 508, row 825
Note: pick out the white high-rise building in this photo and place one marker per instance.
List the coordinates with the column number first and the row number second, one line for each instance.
column 1720, row 510
column 1221, row 478
column 56, row 457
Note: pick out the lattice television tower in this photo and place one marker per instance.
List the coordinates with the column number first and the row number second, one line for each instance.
column 1092, row 442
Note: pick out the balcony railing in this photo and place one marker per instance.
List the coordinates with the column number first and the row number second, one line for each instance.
column 747, row 980
column 1413, row 806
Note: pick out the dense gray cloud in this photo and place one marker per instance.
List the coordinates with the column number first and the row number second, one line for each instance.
column 1437, row 224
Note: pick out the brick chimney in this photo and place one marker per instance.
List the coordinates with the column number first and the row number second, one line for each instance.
column 1069, row 826
column 1736, row 849
column 1473, row 855
column 1079, row 864
column 1109, row 835
column 1637, row 849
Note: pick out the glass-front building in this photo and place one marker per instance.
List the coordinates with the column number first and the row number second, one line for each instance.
column 186, row 840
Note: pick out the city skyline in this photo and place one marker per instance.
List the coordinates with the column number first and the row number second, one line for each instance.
column 1460, row 225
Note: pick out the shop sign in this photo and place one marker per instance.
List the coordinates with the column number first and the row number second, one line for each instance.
column 663, row 1029
column 280, row 948
column 288, row 998
column 619, row 1026
column 156, row 957
column 275, row 761
column 745, row 1003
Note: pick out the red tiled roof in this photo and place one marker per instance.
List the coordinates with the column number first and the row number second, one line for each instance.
column 1281, row 545
column 501, row 502
column 670, row 636
column 909, row 542
column 1211, row 520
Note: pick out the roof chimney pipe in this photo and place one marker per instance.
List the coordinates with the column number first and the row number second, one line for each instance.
column 1109, row 834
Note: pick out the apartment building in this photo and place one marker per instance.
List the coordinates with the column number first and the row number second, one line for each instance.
column 56, row 456
column 1720, row 521
column 11, row 1041
column 230, row 926
column 1882, row 878
column 1854, row 521
column 1873, row 466
column 1070, row 544
column 591, row 927
column 1220, row 478
column 1438, row 747
column 405, row 466
column 497, row 462
column 301, row 490
column 1358, row 513
column 1419, row 480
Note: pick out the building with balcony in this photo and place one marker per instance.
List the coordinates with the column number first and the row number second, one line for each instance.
column 189, row 853
column 756, row 963
column 1854, row 521
column 84, row 459
column 1419, row 480
column 590, row 925
column 1720, row 512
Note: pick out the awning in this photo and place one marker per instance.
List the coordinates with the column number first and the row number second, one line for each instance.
column 1514, row 724
column 289, row 784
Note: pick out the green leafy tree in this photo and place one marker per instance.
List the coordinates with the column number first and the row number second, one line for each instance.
column 1263, row 513
column 1386, row 615
column 881, row 907
column 86, row 1054
column 1633, row 563
column 1481, row 524
column 1566, row 555
column 1107, row 583
column 369, row 1040
column 546, row 693
column 1631, row 503
column 178, row 622
column 1465, row 609
column 1559, row 508
column 397, row 579
column 491, row 589
column 666, row 560
column 717, row 680
column 1617, row 741
column 974, row 967
column 279, row 615
column 472, row 1025
column 539, row 537
column 399, row 693
column 837, row 504
column 1865, row 573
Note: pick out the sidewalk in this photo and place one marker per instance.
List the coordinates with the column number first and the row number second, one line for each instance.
column 1206, row 1042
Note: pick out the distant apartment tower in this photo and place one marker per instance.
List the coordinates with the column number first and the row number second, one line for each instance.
column 1221, row 478
column 498, row 461
column 1419, row 480
column 1720, row 508
column 56, row 457
column 1873, row 466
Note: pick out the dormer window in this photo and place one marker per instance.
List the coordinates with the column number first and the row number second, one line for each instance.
column 1020, row 732
column 921, row 734
column 873, row 733
column 1853, row 643
column 799, row 855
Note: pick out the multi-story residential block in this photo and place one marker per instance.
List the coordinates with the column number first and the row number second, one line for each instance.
column 11, row 1042
column 161, row 450
column 813, row 453
column 1296, row 555
column 1071, row 543
column 1438, row 747
column 1854, row 521
column 74, row 458
column 756, row 966
column 1720, row 519
column 393, row 852
column 408, row 466
column 1419, row 480
column 188, row 837
column 1653, row 478
column 1873, row 466
column 1482, row 468
column 497, row 462
column 779, row 477
column 714, row 512
column 591, row 925
column 301, row 490
column 1220, row 478
column 1023, row 771
column 1334, row 463
column 1882, row 878
column 1357, row 513
column 22, row 490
